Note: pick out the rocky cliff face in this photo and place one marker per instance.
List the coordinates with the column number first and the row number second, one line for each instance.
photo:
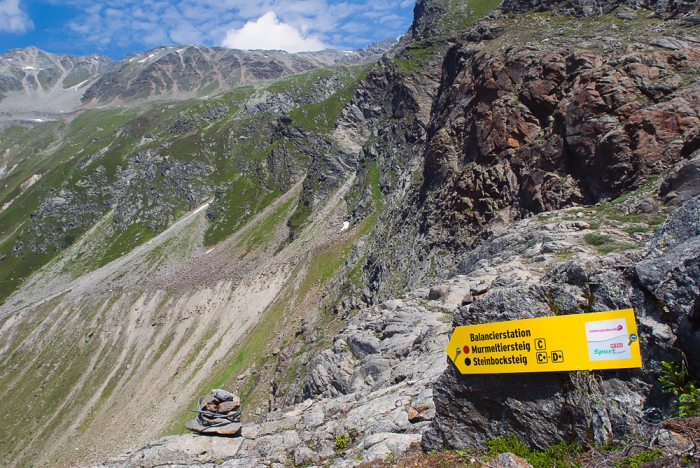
column 520, row 129
column 662, row 8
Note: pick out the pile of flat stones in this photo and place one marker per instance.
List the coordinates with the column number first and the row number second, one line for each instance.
column 219, row 413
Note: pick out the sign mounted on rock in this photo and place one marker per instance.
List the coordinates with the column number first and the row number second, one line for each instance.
column 600, row 340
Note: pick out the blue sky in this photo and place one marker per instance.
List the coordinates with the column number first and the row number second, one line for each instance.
column 116, row 28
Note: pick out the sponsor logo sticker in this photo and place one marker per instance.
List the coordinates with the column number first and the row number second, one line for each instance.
column 607, row 339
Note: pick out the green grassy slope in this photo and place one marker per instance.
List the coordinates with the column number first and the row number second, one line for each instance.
column 145, row 166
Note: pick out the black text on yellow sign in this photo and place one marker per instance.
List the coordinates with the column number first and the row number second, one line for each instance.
column 600, row 340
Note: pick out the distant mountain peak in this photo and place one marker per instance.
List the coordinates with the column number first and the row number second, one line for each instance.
column 32, row 78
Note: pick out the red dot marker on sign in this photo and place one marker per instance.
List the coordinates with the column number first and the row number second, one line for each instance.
column 465, row 349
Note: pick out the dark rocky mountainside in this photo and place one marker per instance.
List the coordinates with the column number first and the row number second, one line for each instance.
column 309, row 242
column 582, row 115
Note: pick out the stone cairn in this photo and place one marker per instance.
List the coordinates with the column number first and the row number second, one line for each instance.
column 219, row 414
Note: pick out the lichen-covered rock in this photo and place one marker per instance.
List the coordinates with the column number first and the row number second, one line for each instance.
column 303, row 455
column 681, row 226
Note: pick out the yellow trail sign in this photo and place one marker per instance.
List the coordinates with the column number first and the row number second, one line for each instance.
column 600, row 340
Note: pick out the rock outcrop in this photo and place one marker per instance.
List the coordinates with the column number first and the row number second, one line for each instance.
column 671, row 274
column 683, row 181
column 516, row 129
column 586, row 407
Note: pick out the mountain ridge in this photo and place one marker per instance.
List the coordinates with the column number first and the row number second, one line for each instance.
column 34, row 82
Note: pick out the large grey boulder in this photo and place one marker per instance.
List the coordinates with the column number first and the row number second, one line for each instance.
column 671, row 273
column 681, row 226
column 507, row 460
column 683, row 181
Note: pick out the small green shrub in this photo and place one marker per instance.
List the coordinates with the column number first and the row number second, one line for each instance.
column 390, row 458
column 341, row 442
column 597, row 239
column 634, row 461
column 675, row 379
column 672, row 377
column 557, row 456
column 689, row 401
column 613, row 247
column 606, row 248
column 508, row 444
column 635, row 229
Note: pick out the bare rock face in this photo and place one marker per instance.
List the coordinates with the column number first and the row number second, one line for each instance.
column 683, row 182
column 529, row 129
column 376, row 347
column 671, row 273
column 584, row 104
column 182, row 450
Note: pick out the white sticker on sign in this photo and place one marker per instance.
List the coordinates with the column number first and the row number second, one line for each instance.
column 608, row 339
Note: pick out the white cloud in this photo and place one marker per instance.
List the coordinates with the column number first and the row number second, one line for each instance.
column 301, row 24
column 268, row 32
column 12, row 18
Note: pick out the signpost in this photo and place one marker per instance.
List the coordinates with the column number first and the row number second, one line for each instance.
column 600, row 340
